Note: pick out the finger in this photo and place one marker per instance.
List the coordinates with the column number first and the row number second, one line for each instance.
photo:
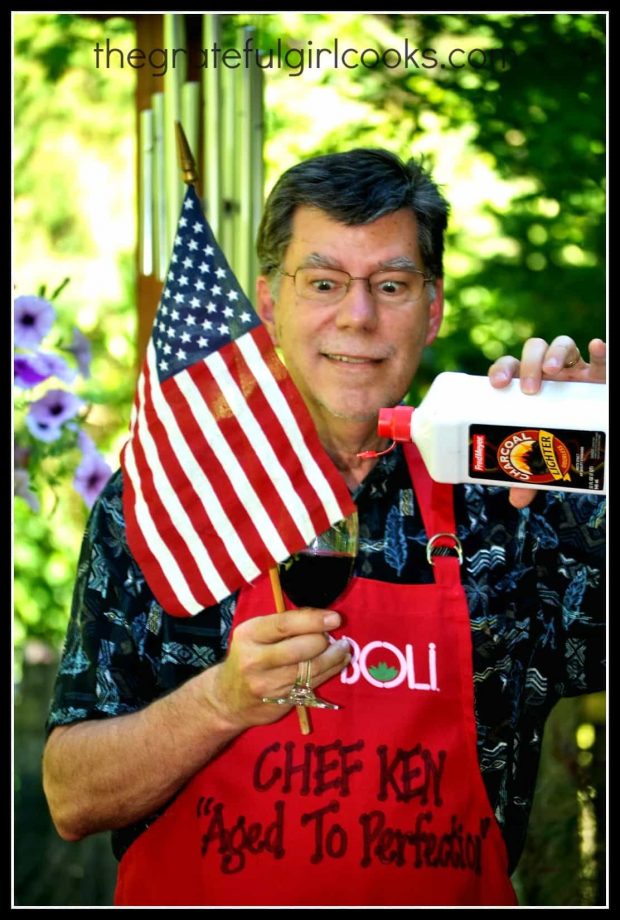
column 597, row 350
column 322, row 666
column 521, row 498
column 532, row 357
column 563, row 353
column 330, row 663
column 503, row 371
column 333, row 654
column 327, row 675
column 289, row 652
column 277, row 626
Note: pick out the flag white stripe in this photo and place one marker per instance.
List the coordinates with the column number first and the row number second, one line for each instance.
column 262, row 447
column 239, row 482
column 181, row 520
column 133, row 418
column 156, row 545
column 281, row 408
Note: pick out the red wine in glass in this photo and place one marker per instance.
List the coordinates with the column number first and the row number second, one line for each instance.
column 316, row 577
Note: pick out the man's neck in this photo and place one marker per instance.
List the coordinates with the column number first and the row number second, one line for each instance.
column 343, row 442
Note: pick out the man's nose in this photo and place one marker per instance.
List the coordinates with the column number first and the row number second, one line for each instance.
column 357, row 309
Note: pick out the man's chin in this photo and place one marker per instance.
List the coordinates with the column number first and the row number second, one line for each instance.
column 357, row 417
column 353, row 408
column 354, row 413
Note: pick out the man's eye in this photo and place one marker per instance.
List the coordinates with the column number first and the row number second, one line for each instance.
column 391, row 287
column 324, row 285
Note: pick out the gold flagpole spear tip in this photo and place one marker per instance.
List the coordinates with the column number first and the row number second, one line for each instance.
column 187, row 164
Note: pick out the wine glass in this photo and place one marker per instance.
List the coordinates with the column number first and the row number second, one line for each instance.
column 315, row 577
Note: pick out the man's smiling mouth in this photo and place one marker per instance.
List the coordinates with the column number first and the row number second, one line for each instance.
column 352, row 359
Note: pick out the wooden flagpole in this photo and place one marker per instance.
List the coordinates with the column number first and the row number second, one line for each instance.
column 302, row 712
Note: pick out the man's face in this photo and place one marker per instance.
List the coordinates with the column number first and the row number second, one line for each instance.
column 350, row 358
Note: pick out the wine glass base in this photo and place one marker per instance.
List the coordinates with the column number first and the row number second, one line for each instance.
column 301, row 696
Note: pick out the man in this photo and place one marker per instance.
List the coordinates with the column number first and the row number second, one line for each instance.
column 417, row 790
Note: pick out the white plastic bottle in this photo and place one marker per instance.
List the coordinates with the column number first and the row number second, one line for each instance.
column 469, row 431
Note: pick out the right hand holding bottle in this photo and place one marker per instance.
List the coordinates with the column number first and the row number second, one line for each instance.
column 560, row 360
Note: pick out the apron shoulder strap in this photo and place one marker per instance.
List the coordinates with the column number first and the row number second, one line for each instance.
column 436, row 500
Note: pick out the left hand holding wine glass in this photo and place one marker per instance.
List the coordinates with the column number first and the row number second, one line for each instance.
column 318, row 575
column 264, row 660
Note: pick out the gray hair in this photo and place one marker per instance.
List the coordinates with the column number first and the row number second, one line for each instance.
column 356, row 187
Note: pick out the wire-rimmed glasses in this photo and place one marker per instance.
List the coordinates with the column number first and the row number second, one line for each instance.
column 330, row 285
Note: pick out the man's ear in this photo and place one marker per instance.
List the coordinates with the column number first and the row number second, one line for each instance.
column 265, row 307
column 435, row 312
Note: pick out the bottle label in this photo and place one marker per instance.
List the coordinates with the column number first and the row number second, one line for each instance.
column 536, row 456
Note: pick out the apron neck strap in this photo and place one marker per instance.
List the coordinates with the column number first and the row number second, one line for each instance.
column 436, row 501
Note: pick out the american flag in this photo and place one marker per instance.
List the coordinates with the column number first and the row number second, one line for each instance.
column 224, row 474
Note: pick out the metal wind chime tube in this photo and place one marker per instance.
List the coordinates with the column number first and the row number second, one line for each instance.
column 212, row 94
column 224, row 113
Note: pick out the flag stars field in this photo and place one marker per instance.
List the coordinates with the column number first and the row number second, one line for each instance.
column 219, row 300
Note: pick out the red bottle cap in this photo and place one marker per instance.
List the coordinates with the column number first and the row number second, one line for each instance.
column 395, row 423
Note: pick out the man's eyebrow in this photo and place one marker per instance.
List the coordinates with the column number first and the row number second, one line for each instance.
column 398, row 263
column 316, row 260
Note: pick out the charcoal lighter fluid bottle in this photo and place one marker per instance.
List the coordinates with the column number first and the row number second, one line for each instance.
column 469, row 431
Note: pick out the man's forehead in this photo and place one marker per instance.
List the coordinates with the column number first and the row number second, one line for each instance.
column 317, row 234
column 305, row 215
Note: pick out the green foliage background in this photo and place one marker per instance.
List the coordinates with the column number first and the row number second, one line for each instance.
column 74, row 216
column 517, row 141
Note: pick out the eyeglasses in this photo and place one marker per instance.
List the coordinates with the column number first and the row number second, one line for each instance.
column 329, row 285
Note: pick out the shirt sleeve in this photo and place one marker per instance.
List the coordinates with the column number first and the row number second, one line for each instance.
column 104, row 669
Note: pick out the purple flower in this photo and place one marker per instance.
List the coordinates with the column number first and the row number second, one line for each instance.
column 29, row 370
column 33, row 318
column 21, row 488
column 91, row 476
column 46, row 415
column 82, row 351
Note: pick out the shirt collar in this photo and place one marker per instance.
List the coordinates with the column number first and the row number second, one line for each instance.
column 388, row 468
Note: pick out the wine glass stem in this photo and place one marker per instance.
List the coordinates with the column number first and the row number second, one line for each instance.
column 303, row 677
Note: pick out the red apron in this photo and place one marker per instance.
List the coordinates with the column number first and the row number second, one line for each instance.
column 383, row 804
